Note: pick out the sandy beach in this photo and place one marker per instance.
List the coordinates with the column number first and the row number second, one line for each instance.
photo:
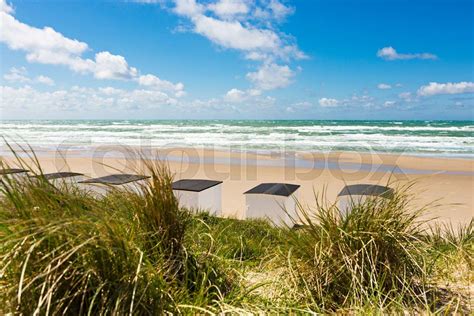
column 448, row 183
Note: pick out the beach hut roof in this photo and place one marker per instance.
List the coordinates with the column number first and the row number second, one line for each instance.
column 367, row 189
column 59, row 175
column 194, row 185
column 283, row 189
column 116, row 179
column 11, row 171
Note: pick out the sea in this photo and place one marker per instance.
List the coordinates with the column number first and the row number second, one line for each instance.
column 434, row 138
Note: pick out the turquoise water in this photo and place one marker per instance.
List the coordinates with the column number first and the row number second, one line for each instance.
column 444, row 138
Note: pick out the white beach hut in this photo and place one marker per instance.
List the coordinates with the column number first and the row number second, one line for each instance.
column 103, row 185
column 356, row 194
column 198, row 194
column 273, row 201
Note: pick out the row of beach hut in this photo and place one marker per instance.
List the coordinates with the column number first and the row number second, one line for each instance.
column 276, row 202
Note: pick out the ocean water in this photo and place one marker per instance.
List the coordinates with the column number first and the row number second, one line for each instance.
column 439, row 138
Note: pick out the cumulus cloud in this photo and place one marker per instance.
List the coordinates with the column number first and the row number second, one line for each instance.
column 109, row 66
column 20, row 75
column 17, row 75
column 163, row 85
column 406, row 96
column 389, row 103
column 5, row 7
column 82, row 99
column 271, row 76
column 384, row 86
column 355, row 100
column 229, row 8
column 232, row 33
column 47, row 46
column 246, row 26
column 389, row 53
column 273, row 9
column 238, row 96
column 328, row 102
column 235, row 95
column 434, row 88
column 45, row 80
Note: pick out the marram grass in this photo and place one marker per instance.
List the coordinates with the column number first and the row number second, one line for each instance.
column 63, row 251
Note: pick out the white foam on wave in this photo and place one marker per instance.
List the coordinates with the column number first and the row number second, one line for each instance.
column 321, row 137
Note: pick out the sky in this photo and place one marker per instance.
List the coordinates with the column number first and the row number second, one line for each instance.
column 237, row 59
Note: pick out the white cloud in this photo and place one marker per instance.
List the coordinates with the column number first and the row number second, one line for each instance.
column 189, row 8
column 47, row 46
column 153, row 81
column 355, row 101
column 5, row 7
column 108, row 66
column 229, row 8
column 434, row 88
column 235, row 95
column 17, row 75
column 389, row 53
column 41, row 45
column 407, row 96
column 238, row 96
column 271, row 76
column 45, row 80
column 20, row 75
column 247, row 26
column 389, row 103
column 82, row 99
column 384, row 86
column 273, row 9
column 328, row 102
column 234, row 35
column 237, row 27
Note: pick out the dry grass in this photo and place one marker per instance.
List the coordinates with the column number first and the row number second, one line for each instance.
column 63, row 251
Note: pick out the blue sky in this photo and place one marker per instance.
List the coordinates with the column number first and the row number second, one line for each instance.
column 237, row 59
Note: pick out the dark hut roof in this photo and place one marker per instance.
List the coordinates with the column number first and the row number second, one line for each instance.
column 367, row 189
column 282, row 189
column 116, row 179
column 6, row 171
column 60, row 175
column 194, row 185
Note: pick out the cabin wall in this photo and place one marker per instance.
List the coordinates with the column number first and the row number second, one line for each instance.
column 271, row 207
column 348, row 202
column 100, row 189
column 211, row 200
column 187, row 199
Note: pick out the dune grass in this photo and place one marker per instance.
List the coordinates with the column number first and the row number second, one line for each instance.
column 64, row 251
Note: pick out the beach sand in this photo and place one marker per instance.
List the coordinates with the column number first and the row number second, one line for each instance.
column 445, row 182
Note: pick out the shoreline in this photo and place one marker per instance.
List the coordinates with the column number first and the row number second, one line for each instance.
column 349, row 160
column 452, row 190
column 263, row 152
